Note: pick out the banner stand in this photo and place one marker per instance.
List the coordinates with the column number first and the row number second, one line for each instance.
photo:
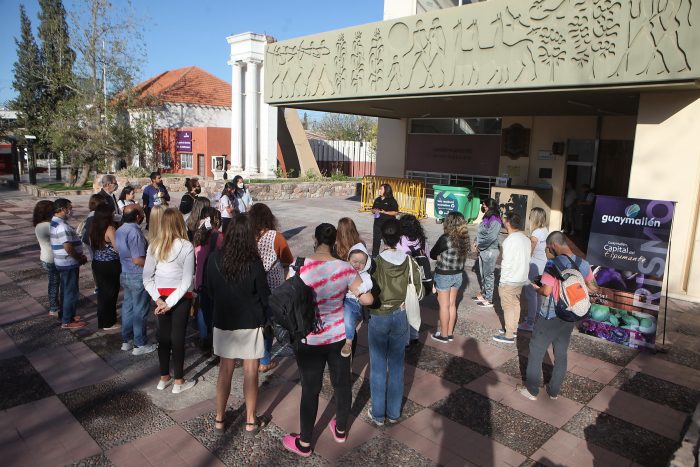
column 663, row 348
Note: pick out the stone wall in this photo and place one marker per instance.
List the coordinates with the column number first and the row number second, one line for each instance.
column 260, row 191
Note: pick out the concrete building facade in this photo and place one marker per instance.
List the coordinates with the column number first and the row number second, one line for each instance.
column 599, row 93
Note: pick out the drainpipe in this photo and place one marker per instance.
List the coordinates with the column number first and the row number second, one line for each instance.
column 596, row 148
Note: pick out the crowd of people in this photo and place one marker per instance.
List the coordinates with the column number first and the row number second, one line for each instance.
column 220, row 265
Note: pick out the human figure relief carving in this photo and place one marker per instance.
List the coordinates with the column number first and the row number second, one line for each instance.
column 394, row 75
column 420, row 50
column 340, row 52
column 436, row 54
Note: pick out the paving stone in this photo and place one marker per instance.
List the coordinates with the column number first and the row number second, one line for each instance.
column 233, row 447
column 39, row 333
column 41, row 433
column 658, row 390
column 574, row 387
column 666, row 370
column 642, row 412
column 454, row 369
column 98, row 460
column 503, row 424
column 383, row 450
column 70, row 366
column 601, row 349
column 565, row 449
column 171, row 446
column 20, row 383
column 623, row 438
column 8, row 349
column 114, row 414
column 483, row 334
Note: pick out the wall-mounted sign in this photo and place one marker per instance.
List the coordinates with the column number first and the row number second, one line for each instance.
column 183, row 141
column 545, row 155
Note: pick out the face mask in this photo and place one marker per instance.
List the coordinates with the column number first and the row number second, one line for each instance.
column 198, row 190
column 240, row 185
column 69, row 214
column 483, row 209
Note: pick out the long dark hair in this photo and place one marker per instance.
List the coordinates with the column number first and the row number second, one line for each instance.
column 388, row 192
column 125, row 191
column 43, row 212
column 411, row 228
column 202, row 234
column 325, row 234
column 240, row 250
column 236, row 190
column 100, row 222
column 261, row 219
column 493, row 212
column 227, row 186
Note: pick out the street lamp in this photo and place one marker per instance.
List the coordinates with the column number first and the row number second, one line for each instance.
column 31, row 162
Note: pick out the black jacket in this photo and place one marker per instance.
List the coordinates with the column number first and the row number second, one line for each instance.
column 241, row 304
column 110, row 199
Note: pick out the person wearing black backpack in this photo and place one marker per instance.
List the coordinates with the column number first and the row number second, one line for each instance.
column 550, row 329
column 330, row 279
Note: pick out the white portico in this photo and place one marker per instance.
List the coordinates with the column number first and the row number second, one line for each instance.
column 253, row 122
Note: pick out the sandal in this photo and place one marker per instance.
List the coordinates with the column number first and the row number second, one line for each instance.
column 270, row 366
column 219, row 425
column 259, row 424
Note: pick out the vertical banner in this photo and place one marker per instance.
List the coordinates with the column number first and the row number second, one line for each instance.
column 628, row 248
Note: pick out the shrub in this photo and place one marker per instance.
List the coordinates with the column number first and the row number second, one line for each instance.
column 133, row 172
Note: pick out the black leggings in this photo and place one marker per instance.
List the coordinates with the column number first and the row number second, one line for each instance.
column 376, row 236
column 172, row 327
column 311, row 360
column 106, row 275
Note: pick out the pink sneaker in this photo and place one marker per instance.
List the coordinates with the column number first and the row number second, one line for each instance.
column 290, row 444
column 336, row 438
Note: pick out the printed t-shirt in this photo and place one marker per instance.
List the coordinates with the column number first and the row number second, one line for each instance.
column 330, row 281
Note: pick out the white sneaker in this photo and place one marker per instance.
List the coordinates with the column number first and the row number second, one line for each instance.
column 374, row 420
column 523, row 390
column 144, row 349
column 126, row 346
column 112, row 328
column 178, row 388
column 163, row 384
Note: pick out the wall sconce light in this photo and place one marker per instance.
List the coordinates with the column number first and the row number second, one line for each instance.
column 558, row 148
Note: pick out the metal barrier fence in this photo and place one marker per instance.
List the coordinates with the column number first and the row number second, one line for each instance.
column 480, row 183
column 410, row 194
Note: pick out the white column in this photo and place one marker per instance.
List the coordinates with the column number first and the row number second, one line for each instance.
column 251, row 117
column 236, row 118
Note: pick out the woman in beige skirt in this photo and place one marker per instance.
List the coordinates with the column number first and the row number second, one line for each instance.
column 236, row 280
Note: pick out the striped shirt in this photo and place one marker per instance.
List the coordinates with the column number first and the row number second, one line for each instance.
column 330, row 281
column 61, row 232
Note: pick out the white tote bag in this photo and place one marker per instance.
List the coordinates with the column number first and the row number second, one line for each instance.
column 412, row 303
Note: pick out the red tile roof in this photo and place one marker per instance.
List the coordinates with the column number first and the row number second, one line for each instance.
column 190, row 85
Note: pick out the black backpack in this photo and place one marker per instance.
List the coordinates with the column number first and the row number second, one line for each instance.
column 293, row 308
column 424, row 266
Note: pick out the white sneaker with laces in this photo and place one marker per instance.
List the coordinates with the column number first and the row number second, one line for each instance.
column 374, row 420
column 127, row 346
column 144, row 349
column 178, row 388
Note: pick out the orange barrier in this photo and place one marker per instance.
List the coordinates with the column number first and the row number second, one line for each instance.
column 410, row 194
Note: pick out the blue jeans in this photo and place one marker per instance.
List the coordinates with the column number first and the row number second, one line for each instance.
column 388, row 336
column 351, row 315
column 268, row 351
column 445, row 282
column 70, row 292
column 54, row 286
column 137, row 304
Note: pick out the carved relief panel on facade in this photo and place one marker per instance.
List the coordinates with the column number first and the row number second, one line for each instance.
column 495, row 45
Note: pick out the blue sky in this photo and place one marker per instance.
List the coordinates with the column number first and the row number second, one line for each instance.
column 180, row 33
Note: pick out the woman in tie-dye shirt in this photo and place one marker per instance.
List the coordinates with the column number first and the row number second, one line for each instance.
column 330, row 278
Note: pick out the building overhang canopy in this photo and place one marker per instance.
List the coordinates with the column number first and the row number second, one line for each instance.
column 501, row 57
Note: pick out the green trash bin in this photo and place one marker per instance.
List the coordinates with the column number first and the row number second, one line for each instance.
column 452, row 198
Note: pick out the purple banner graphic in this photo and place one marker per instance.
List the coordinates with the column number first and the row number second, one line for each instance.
column 629, row 246
column 183, row 141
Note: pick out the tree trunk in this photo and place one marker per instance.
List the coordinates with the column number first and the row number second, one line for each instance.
column 84, row 173
column 73, row 176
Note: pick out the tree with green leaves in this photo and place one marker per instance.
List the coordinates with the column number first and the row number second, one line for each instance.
column 57, row 73
column 27, row 77
column 345, row 127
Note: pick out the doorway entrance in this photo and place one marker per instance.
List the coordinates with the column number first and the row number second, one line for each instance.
column 200, row 165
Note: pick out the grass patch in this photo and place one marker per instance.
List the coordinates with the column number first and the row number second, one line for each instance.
column 58, row 186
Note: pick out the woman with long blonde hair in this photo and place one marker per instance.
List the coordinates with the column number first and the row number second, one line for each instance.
column 155, row 220
column 450, row 251
column 167, row 277
column 538, row 259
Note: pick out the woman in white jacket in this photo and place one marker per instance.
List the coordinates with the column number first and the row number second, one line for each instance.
column 167, row 277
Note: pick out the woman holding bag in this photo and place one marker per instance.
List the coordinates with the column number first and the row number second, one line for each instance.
column 389, row 325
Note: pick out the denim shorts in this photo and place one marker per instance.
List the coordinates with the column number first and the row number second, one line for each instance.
column 445, row 282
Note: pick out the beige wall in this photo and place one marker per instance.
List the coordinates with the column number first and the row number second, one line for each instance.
column 666, row 166
column 391, row 147
column 399, row 8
